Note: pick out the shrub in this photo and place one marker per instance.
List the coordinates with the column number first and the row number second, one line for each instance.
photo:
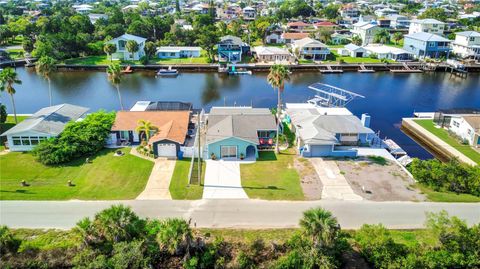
column 8, row 243
column 77, row 139
column 174, row 236
column 3, row 113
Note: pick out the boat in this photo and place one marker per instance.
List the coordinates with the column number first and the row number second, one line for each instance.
column 241, row 71
column 127, row 70
column 167, row 72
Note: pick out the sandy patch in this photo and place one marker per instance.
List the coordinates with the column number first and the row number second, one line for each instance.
column 309, row 180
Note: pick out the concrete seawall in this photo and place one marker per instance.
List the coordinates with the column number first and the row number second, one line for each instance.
column 439, row 148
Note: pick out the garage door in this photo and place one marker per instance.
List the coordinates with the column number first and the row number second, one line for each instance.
column 167, row 150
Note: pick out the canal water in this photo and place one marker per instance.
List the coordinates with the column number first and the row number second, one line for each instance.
column 388, row 97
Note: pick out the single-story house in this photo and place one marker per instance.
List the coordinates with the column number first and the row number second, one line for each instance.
column 326, row 131
column 274, row 38
column 339, row 39
column 467, row 128
column 171, row 52
column 43, row 124
column 121, row 43
column 298, row 26
column 289, row 38
column 309, row 48
column 353, row 50
column 272, row 54
column 172, row 130
column 233, row 132
column 388, row 52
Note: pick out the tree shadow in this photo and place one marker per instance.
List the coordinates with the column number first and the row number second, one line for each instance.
column 266, row 156
column 273, row 188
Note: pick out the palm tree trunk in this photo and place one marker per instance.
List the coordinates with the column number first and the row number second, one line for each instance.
column 14, row 109
column 279, row 104
column 119, row 96
column 49, row 90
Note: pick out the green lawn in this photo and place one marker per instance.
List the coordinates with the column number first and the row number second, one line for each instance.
column 9, row 123
column 272, row 177
column 448, row 197
column 351, row 60
column 199, row 60
column 443, row 134
column 90, row 60
column 179, row 187
column 105, row 60
column 16, row 53
column 107, row 177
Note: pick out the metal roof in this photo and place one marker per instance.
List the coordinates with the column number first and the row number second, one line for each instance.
column 49, row 120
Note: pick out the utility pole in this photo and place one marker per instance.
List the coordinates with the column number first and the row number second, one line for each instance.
column 199, row 150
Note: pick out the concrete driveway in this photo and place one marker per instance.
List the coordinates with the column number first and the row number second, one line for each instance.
column 159, row 181
column 222, row 180
column 335, row 186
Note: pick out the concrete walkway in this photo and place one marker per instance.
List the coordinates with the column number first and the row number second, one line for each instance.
column 222, row 180
column 158, row 184
column 335, row 186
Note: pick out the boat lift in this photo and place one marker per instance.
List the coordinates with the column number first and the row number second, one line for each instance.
column 331, row 96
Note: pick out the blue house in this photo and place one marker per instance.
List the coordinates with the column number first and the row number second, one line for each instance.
column 427, row 45
column 231, row 49
column 239, row 132
column 328, row 132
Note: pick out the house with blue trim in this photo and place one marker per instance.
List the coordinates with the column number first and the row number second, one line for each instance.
column 328, row 131
column 231, row 49
column 239, row 132
column 423, row 45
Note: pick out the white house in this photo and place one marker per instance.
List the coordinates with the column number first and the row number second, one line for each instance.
column 121, row 44
column 388, row 52
column 178, row 52
column 366, row 31
column 274, row 38
column 467, row 128
column 339, row 39
column 431, row 26
column 467, row 44
column 353, row 50
column 249, row 13
column 272, row 54
column 45, row 123
column 83, row 9
column 311, row 49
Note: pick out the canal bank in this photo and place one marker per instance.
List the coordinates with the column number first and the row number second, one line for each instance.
column 439, row 148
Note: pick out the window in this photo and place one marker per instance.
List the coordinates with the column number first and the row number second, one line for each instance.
column 456, row 124
column 228, row 151
column 469, row 131
column 431, row 44
column 25, row 141
column 172, row 54
column 472, row 38
column 124, row 135
column 16, row 141
column 121, row 44
column 34, row 141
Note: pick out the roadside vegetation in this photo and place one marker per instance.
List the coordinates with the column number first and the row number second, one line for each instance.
column 104, row 177
column 447, row 138
column 117, row 238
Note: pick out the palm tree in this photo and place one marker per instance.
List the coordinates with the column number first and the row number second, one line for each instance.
column 321, row 226
column 146, row 127
column 132, row 47
column 110, row 49
column 114, row 72
column 397, row 36
column 382, row 36
column 356, row 40
column 276, row 78
column 8, row 77
column 45, row 66
column 175, row 236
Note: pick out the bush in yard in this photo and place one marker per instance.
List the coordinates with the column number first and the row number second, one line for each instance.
column 3, row 113
column 78, row 139
column 451, row 176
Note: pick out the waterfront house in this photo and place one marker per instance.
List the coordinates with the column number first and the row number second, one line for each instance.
column 338, row 39
column 327, row 131
column 366, row 31
column 233, row 132
column 249, row 13
column 388, row 52
column 171, row 52
column 431, row 26
column 289, row 38
column 467, row 44
column 172, row 130
column 162, row 106
column 352, row 50
column 272, row 55
column 231, row 49
column 274, row 38
column 399, row 21
column 46, row 123
column 427, row 45
column 122, row 53
column 311, row 49
column 467, row 128
column 350, row 11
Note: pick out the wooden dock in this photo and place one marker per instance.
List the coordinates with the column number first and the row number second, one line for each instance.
column 330, row 70
column 363, row 69
column 406, row 69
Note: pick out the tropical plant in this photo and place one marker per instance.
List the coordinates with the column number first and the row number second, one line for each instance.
column 132, row 47
column 397, row 36
column 276, row 78
column 45, row 66
column 3, row 113
column 147, row 128
column 150, row 49
column 114, row 72
column 8, row 77
column 357, row 40
column 382, row 36
column 8, row 242
column 320, row 226
column 174, row 236
column 109, row 49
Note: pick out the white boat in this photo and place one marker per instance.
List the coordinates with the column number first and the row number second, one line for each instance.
column 167, row 72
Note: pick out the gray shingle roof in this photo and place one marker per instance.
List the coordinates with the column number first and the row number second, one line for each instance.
column 242, row 123
column 49, row 120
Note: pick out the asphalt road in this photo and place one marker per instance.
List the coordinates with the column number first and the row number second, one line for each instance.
column 234, row 213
